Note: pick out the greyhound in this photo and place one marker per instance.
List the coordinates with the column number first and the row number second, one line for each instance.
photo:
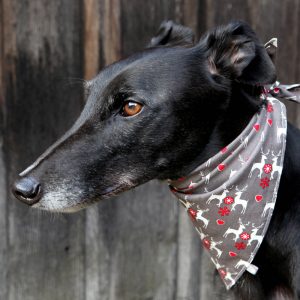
column 162, row 112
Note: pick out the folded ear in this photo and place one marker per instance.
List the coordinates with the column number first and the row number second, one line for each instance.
column 172, row 34
column 234, row 51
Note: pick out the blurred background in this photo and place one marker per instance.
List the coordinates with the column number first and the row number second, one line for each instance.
column 140, row 245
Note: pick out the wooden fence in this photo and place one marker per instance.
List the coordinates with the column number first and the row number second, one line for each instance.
column 141, row 245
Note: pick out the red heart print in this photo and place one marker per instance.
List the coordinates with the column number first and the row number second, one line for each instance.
column 256, row 127
column 221, row 167
column 232, row 254
column 270, row 122
column 222, row 272
column 224, row 150
column 276, row 90
column 192, row 213
column 258, row 198
column 220, row 222
column 206, row 243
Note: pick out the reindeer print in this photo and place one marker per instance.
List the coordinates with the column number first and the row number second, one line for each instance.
column 208, row 163
column 232, row 173
column 185, row 203
column 201, row 218
column 219, row 197
column 207, row 177
column 259, row 165
column 209, row 243
column 281, row 131
column 254, row 236
column 242, row 263
column 275, row 167
column 229, row 276
column 202, row 235
column 213, row 246
column 216, row 263
column 236, row 232
column 239, row 201
column 242, row 161
column 268, row 206
column 244, row 141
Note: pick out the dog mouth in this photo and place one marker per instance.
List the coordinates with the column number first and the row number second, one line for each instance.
column 64, row 206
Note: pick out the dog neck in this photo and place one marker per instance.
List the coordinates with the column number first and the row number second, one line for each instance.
column 244, row 102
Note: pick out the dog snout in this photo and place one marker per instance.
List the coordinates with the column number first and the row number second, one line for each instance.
column 27, row 190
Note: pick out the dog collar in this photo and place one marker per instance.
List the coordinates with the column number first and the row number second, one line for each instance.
column 231, row 197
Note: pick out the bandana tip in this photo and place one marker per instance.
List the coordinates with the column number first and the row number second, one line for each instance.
column 252, row 269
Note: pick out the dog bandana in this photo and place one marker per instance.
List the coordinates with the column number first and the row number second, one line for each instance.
column 230, row 198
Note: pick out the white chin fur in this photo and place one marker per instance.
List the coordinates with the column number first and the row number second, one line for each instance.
column 61, row 200
column 72, row 209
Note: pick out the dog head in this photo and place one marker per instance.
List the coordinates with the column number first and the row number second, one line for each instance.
column 148, row 116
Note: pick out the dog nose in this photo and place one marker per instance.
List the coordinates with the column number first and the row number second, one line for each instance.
column 27, row 190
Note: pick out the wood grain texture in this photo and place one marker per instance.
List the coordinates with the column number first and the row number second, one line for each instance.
column 140, row 245
column 91, row 38
column 45, row 257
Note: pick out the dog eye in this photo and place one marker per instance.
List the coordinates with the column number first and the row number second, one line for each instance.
column 131, row 108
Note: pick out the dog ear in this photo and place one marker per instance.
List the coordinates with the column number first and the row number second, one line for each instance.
column 172, row 34
column 234, row 51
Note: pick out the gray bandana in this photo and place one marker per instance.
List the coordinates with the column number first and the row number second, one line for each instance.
column 231, row 197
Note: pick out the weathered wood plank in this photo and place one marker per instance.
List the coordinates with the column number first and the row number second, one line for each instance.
column 7, row 75
column 111, row 35
column 91, row 38
column 3, row 225
column 45, row 258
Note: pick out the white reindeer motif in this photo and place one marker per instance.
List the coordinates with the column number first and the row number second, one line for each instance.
column 244, row 141
column 208, row 163
column 242, row 161
column 260, row 165
column 239, row 201
column 275, row 166
column 236, row 232
column 250, row 268
column 206, row 177
column 280, row 131
column 212, row 243
column 216, row 263
column 213, row 246
column 242, row 262
column 201, row 218
column 202, row 235
column 219, row 197
column 205, row 190
column 254, row 236
column 232, row 172
column 229, row 276
column 269, row 205
column 185, row 203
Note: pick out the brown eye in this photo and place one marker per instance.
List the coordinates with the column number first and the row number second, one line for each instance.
column 131, row 108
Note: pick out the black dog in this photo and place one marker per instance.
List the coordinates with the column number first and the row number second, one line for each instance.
column 159, row 114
